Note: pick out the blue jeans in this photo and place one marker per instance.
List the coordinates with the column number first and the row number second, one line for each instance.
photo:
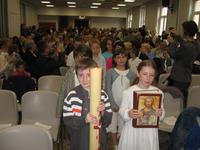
column 184, row 131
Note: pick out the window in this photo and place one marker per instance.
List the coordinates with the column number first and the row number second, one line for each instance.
column 142, row 16
column 130, row 19
column 162, row 20
column 196, row 11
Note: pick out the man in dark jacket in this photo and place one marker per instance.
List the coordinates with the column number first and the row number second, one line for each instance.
column 45, row 65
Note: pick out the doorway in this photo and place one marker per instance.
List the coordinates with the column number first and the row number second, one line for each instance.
column 81, row 23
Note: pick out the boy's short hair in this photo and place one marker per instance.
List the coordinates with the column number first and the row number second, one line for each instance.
column 85, row 63
column 82, row 50
column 12, row 48
column 19, row 64
column 41, row 46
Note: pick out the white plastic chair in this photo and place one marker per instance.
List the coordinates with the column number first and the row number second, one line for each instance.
column 173, row 107
column 162, row 81
column 8, row 109
column 50, row 83
column 195, row 80
column 39, row 108
column 194, row 96
column 25, row 137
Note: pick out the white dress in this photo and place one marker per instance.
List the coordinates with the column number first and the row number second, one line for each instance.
column 136, row 138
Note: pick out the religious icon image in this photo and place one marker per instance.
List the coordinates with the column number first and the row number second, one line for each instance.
column 147, row 105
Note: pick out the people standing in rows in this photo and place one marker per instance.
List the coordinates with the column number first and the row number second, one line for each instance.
column 76, row 112
column 71, row 80
column 143, row 53
column 97, row 56
column 30, row 57
column 45, row 65
column 70, row 58
column 118, row 79
column 108, row 53
column 184, row 51
column 134, row 61
column 139, row 138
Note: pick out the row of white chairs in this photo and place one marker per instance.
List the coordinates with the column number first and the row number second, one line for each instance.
column 163, row 79
column 174, row 106
column 25, row 137
column 38, row 108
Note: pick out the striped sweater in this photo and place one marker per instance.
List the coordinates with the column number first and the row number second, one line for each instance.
column 75, row 109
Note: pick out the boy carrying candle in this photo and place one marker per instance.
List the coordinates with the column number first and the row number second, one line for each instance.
column 76, row 113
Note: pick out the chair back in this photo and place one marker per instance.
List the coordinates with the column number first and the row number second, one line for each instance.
column 8, row 107
column 163, row 79
column 173, row 106
column 50, row 83
column 39, row 105
column 25, row 137
column 195, row 80
column 39, row 108
column 194, row 96
column 19, row 85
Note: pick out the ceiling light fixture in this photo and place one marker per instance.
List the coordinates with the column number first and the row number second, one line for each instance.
column 93, row 6
column 45, row 2
column 49, row 5
column 115, row 7
column 121, row 5
column 72, row 6
column 97, row 4
column 71, row 3
column 131, row 1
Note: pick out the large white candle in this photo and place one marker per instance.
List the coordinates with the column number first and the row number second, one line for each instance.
column 95, row 97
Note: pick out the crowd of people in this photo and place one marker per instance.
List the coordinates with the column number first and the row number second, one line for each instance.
column 131, row 59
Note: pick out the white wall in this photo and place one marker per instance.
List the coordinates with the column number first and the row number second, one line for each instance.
column 184, row 12
column 83, row 12
column 136, row 17
column 31, row 17
column 181, row 13
column 13, row 18
column 151, row 14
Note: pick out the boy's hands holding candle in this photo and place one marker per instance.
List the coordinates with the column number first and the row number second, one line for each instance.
column 101, row 108
column 93, row 119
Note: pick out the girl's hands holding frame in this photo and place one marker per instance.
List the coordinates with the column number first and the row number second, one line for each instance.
column 133, row 113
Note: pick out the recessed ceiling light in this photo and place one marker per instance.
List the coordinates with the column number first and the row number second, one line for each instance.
column 129, row 1
column 93, row 6
column 49, row 5
column 71, row 3
column 97, row 4
column 45, row 2
column 121, row 5
column 115, row 7
column 72, row 6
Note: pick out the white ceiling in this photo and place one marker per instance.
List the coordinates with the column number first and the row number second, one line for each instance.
column 107, row 4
